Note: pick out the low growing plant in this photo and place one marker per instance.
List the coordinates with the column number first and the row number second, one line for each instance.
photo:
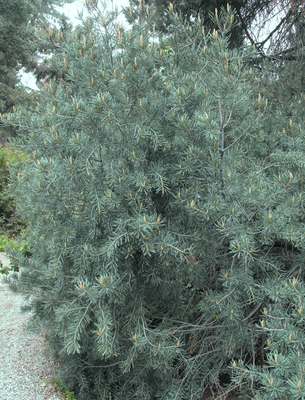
column 58, row 385
column 21, row 249
column 6, row 242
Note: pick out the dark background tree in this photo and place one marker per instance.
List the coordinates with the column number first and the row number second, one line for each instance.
column 246, row 12
column 23, row 38
column 285, row 33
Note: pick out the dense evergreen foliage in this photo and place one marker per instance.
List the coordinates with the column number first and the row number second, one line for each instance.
column 24, row 39
column 165, row 202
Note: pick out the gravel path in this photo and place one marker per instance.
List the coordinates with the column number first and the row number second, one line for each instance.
column 24, row 368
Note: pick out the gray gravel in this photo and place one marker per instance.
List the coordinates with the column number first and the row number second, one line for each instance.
column 24, row 368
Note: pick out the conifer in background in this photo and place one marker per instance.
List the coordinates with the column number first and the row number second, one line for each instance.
column 23, row 39
column 165, row 203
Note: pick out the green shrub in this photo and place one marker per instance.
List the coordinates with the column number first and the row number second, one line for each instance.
column 5, row 242
column 21, row 249
column 10, row 223
column 165, row 212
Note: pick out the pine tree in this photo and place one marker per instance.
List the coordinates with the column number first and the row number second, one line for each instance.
column 165, row 204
